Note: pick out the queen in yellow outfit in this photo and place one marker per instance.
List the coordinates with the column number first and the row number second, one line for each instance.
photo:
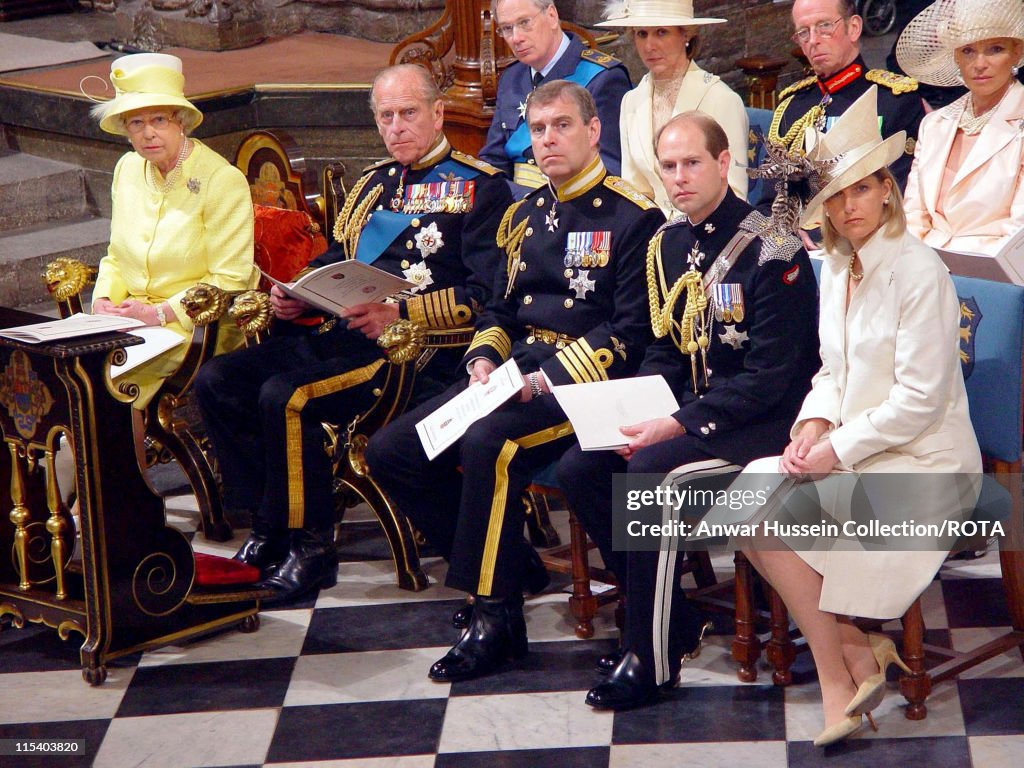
column 181, row 213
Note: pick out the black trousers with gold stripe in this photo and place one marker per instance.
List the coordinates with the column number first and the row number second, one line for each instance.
column 264, row 406
column 475, row 516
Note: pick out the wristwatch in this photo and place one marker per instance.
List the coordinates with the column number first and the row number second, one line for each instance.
column 535, row 390
column 160, row 315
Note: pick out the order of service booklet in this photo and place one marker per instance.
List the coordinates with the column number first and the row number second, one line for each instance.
column 335, row 287
column 156, row 341
column 597, row 409
column 448, row 423
column 79, row 324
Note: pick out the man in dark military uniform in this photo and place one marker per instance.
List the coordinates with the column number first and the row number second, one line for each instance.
column 570, row 307
column 532, row 30
column 828, row 32
column 427, row 213
column 739, row 367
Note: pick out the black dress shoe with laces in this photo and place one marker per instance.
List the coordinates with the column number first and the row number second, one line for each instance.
column 629, row 685
column 605, row 664
column 496, row 633
column 311, row 563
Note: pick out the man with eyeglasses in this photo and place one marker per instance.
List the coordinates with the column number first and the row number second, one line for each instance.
column 533, row 33
column 828, row 32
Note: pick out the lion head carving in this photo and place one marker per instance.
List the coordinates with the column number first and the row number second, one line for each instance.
column 66, row 278
column 251, row 312
column 204, row 303
column 402, row 340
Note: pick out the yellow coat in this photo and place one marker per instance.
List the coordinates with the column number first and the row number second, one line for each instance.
column 162, row 244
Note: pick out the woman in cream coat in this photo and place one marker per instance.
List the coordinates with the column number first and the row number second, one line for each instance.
column 965, row 191
column 665, row 35
column 889, row 398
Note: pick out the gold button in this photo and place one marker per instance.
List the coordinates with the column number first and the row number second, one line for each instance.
column 568, row 303
column 391, row 171
column 530, row 339
column 380, row 207
column 408, row 244
column 597, row 202
column 531, row 161
column 527, row 299
column 415, row 222
column 559, row 344
column 540, row 202
column 568, row 273
column 522, row 266
column 405, row 264
column 529, row 231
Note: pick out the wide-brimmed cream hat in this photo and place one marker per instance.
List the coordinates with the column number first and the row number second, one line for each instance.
column 652, row 13
column 141, row 81
column 852, row 149
column 925, row 49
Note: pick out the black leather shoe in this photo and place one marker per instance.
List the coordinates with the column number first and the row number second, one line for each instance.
column 463, row 615
column 628, row 685
column 605, row 664
column 264, row 551
column 496, row 634
column 311, row 563
column 535, row 576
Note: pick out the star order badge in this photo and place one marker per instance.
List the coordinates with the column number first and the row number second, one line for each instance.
column 522, row 110
column 429, row 240
column 419, row 273
column 582, row 283
column 733, row 338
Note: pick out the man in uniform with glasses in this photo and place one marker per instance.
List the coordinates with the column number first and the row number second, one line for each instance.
column 532, row 31
column 828, row 32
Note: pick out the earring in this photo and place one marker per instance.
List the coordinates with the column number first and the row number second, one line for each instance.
column 1015, row 69
column 886, row 201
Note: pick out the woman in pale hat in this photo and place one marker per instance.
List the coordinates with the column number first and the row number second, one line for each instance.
column 889, row 398
column 181, row 213
column 964, row 192
column 665, row 33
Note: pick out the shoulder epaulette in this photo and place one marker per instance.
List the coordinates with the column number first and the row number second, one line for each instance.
column 627, row 190
column 378, row 164
column 776, row 244
column 475, row 162
column 600, row 58
column 799, row 85
column 896, row 83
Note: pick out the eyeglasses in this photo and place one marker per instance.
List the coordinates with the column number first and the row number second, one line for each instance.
column 158, row 122
column 523, row 25
column 821, row 29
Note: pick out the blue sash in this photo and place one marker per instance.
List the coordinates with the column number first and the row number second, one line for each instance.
column 519, row 141
column 384, row 227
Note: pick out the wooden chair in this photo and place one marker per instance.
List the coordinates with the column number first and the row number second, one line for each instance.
column 991, row 349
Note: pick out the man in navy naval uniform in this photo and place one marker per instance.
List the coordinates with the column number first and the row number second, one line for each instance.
column 532, row 30
column 570, row 306
column 427, row 213
column 739, row 368
column 828, row 32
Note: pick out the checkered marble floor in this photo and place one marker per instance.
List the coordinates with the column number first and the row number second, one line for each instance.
column 340, row 680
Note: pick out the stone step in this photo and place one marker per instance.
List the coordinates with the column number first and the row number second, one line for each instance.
column 25, row 252
column 36, row 189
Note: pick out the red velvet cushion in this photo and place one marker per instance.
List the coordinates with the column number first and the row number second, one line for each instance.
column 286, row 241
column 214, row 571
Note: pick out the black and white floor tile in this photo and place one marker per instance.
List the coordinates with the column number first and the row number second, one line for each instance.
column 340, row 681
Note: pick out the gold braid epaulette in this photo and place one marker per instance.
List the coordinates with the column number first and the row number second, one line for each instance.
column 799, row 85
column 343, row 233
column 511, row 239
column 794, row 138
column 898, row 84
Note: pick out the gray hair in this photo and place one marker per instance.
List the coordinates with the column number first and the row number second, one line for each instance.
column 541, row 5
column 428, row 89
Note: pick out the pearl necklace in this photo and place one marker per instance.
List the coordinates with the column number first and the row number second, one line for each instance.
column 854, row 275
column 172, row 177
column 970, row 123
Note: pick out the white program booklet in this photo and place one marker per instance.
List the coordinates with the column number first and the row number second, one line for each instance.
column 335, row 287
column 448, row 423
column 1004, row 266
column 79, row 324
column 157, row 340
column 599, row 408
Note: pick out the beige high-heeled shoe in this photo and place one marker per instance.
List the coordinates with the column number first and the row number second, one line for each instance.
column 841, row 730
column 871, row 692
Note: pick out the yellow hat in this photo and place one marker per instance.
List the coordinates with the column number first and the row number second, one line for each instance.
column 142, row 81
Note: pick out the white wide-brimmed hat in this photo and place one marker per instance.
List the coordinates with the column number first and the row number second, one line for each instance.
column 141, row 81
column 652, row 13
column 925, row 49
column 852, row 149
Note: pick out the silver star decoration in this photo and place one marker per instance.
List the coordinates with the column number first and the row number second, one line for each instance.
column 709, row 227
column 733, row 338
column 522, row 110
column 582, row 283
